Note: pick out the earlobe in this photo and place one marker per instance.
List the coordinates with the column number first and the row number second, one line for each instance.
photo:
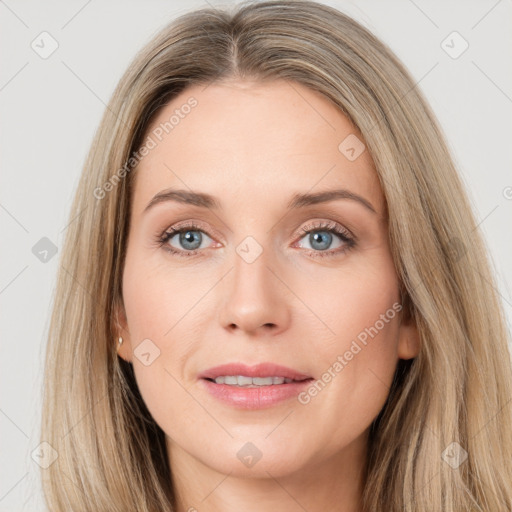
column 123, row 349
column 408, row 340
column 122, row 340
column 408, row 336
column 409, row 343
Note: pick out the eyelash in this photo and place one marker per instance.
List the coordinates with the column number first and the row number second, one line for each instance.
column 331, row 227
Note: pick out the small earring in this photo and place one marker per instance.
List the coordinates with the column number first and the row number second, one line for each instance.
column 120, row 340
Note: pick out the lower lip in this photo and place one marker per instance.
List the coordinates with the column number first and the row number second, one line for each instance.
column 255, row 398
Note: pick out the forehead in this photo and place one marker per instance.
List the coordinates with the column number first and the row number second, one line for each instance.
column 243, row 141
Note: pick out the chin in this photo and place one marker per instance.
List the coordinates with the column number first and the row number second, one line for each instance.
column 257, row 459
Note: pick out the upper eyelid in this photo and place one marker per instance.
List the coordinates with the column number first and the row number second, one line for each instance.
column 191, row 224
column 328, row 225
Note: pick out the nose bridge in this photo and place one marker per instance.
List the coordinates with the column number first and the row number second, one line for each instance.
column 251, row 261
column 254, row 297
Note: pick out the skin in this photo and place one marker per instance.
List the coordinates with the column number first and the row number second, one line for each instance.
column 253, row 146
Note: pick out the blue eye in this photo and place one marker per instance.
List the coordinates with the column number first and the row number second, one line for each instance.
column 321, row 236
column 189, row 239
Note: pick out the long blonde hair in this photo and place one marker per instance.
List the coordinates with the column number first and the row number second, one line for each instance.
column 453, row 398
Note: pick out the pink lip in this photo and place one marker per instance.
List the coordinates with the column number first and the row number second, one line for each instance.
column 259, row 370
column 254, row 398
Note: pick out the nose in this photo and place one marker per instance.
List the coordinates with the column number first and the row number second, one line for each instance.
column 255, row 299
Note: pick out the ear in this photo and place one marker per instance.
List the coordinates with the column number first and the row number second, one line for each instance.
column 124, row 350
column 408, row 336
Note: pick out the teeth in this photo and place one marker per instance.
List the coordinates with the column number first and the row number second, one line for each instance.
column 244, row 381
column 252, row 382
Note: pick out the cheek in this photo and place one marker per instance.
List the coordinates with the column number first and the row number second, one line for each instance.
column 157, row 298
column 356, row 359
column 349, row 301
column 167, row 312
column 153, row 308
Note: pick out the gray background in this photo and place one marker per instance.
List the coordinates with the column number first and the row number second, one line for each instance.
column 50, row 108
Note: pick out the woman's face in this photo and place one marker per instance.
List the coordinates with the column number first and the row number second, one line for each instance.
column 273, row 267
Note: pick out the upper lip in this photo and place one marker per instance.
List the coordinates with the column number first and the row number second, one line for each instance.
column 259, row 370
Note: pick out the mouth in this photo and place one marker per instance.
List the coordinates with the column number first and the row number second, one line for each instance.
column 254, row 387
column 244, row 381
column 263, row 374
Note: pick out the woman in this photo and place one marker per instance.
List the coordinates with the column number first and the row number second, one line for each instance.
column 275, row 295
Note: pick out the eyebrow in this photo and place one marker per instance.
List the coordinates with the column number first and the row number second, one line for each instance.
column 203, row 200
